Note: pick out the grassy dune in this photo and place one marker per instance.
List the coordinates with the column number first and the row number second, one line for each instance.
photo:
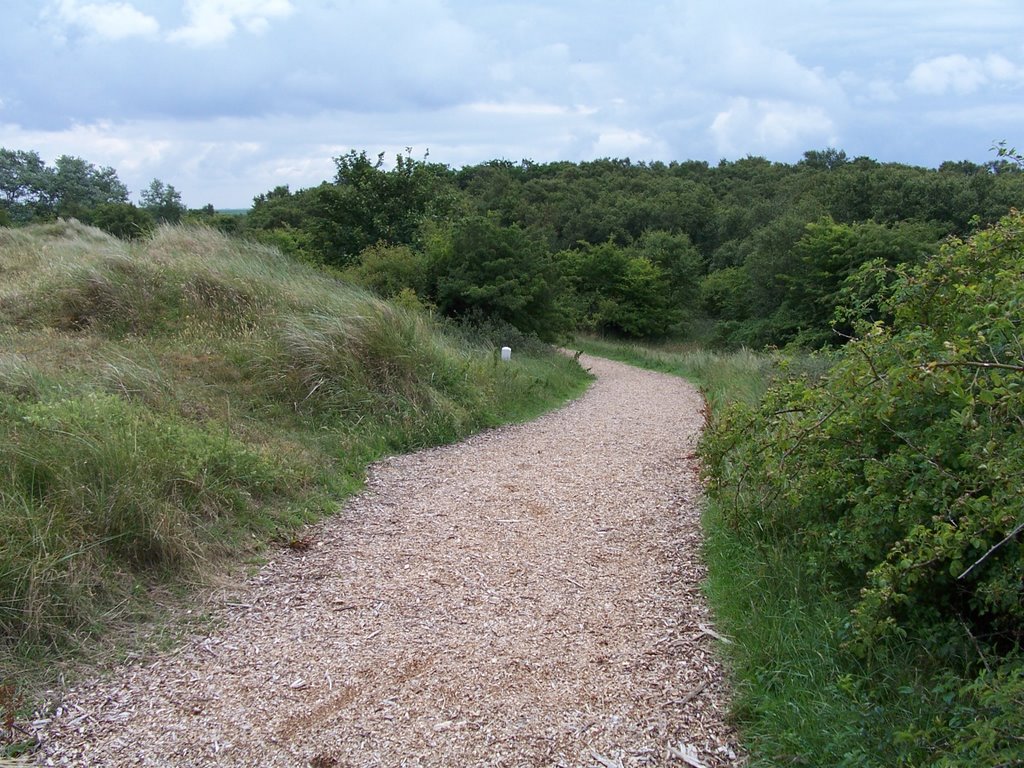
column 176, row 403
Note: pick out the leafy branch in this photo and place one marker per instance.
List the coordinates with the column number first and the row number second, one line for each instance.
column 971, row 364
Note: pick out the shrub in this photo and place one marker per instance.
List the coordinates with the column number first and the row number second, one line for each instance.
column 892, row 482
column 123, row 220
column 482, row 267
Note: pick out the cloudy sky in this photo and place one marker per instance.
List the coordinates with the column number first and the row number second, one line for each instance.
column 225, row 99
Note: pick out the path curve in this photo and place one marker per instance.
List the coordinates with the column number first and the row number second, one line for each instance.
column 528, row 597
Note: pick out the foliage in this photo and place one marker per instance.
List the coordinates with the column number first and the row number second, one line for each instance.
column 889, row 486
column 729, row 241
column 79, row 186
column 24, row 183
column 829, row 258
column 72, row 187
column 163, row 202
column 679, row 260
column 390, row 269
column 365, row 205
column 208, row 216
column 481, row 267
column 744, row 253
column 619, row 292
column 122, row 220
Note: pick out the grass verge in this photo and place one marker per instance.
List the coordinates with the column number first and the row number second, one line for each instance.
column 724, row 377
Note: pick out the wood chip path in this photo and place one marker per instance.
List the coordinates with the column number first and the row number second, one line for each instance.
column 528, row 597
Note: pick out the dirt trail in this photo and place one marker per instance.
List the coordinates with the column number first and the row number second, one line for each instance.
column 528, row 597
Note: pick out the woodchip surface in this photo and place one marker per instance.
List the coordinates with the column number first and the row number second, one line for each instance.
column 528, row 597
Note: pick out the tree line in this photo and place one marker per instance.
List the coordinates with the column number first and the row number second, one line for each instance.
column 747, row 252
column 32, row 191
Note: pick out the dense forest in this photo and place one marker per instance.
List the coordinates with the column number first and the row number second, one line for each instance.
column 745, row 253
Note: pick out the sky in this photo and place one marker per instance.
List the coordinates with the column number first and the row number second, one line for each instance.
column 225, row 99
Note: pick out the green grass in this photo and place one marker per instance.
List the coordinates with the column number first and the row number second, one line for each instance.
column 170, row 406
column 800, row 698
column 742, row 375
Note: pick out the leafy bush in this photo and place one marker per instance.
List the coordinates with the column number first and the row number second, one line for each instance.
column 390, row 269
column 123, row 220
column 620, row 292
column 481, row 267
column 892, row 482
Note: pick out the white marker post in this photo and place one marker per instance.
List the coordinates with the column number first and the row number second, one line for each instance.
column 506, row 353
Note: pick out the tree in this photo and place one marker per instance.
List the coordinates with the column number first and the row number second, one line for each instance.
column 481, row 268
column 24, row 183
column 367, row 204
column 122, row 220
column 825, row 159
column 78, row 186
column 163, row 202
column 642, row 306
column 621, row 292
column 822, row 277
column 680, row 262
column 333, row 223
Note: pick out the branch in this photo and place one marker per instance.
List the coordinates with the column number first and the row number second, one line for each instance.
column 973, row 364
column 985, row 557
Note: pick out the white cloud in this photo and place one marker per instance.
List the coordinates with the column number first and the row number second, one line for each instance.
column 962, row 75
column 753, row 68
column 770, row 127
column 528, row 109
column 616, row 142
column 214, row 21
column 110, row 21
column 255, row 93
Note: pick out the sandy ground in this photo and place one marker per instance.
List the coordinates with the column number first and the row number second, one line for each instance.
column 528, row 597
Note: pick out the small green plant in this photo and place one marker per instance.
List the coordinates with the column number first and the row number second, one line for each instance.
column 14, row 740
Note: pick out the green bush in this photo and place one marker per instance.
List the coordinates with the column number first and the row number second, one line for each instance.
column 481, row 267
column 892, row 481
column 123, row 220
column 390, row 269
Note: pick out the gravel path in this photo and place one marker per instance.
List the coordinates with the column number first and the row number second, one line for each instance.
column 528, row 597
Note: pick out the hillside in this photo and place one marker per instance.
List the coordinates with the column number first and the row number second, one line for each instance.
column 176, row 402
